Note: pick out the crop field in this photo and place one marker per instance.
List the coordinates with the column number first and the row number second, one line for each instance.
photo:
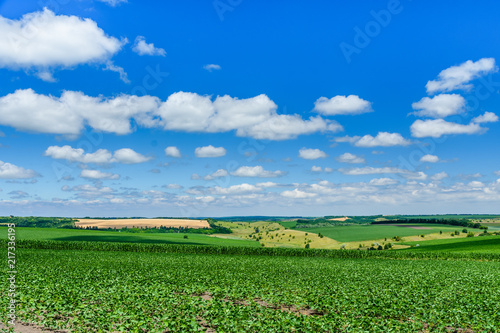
column 372, row 232
column 97, row 291
column 115, row 236
column 141, row 223
column 485, row 244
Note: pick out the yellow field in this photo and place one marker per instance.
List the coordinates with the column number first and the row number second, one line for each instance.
column 141, row 223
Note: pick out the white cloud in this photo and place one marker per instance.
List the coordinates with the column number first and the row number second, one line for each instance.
column 101, row 156
column 311, row 154
column 297, row 194
column 110, row 66
column 28, row 111
column 11, row 171
column 113, row 3
column 212, row 67
column 370, row 171
column 439, row 176
column 128, row 156
column 383, row 181
column 487, row 117
column 173, row 151
column 142, row 48
column 256, row 171
column 439, row 127
column 217, row 174
column 236, row 189
column 342, row 105
column 429, row 158
column 252, row 117
column 458, row 77
column 210, row 151
column 44, row 41
column 383, row 139
column 316, row 168
column 350, row 158
column 497, row 173
column 96, row 174
column 439, row 106
column 267, row 184
column 476, row 184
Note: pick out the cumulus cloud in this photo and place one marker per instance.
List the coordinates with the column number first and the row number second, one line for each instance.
column 68, row 114
column 439, row 106
column 439, row 176
column 11, row 171
column 429, row 158
column 210, row 151
column 256, row 171
column 217, row 174
column 142, row 48
column 173, row 151
column 350, row 158
column 44, row 41
column 101, row 156
column 342, row 105
column 212, row 67
column 458, row 77
column 28, row 111
column 297, row 194
column 370, row 171
column 236, row 189
column 487, row 117
column 383, row 139
column 438, row 127
column 96, row 174
column 311, row 154
column 128, row 156
column 252, row 117
column 320, row 169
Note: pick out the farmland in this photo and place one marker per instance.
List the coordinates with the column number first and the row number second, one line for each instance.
column 258, row 278
column 159, row 292
column 140, row 223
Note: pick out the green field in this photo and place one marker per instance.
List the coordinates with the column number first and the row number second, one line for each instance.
column 483, row 244
column 86, row 291
column 370, row 232
column 115, row 236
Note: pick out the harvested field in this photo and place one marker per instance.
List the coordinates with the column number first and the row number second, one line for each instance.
column 341, row 219
column 138, row 223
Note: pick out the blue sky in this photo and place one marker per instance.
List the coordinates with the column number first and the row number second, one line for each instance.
column 229, row 107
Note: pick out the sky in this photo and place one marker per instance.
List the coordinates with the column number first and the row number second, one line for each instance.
column 234, row 107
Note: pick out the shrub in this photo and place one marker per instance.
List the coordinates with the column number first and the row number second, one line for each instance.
column 440, row 232
column 470, row 234
column 422, row 235
column 185, row 236
column 307, row 246
column 456, row 232
column 380, row 247
column 464, row 230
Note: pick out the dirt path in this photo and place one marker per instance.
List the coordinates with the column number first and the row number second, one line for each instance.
column 20, row 327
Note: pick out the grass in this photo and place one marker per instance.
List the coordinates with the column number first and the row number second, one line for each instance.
column 372, row 232
column 484, row 244
column 114, row 236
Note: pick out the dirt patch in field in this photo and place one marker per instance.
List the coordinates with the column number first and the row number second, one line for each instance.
column 20, row 327
column 144, row 223
column 408, row 226
column 306, row 311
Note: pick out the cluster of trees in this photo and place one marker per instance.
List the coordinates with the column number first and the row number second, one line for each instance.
column 39, row 222
column 458, row 222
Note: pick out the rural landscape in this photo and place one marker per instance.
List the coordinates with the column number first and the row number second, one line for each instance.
column 237, row 166
column 249, row 274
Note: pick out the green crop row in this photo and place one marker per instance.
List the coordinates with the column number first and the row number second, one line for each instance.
column 106, row 291
column 238, row 250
